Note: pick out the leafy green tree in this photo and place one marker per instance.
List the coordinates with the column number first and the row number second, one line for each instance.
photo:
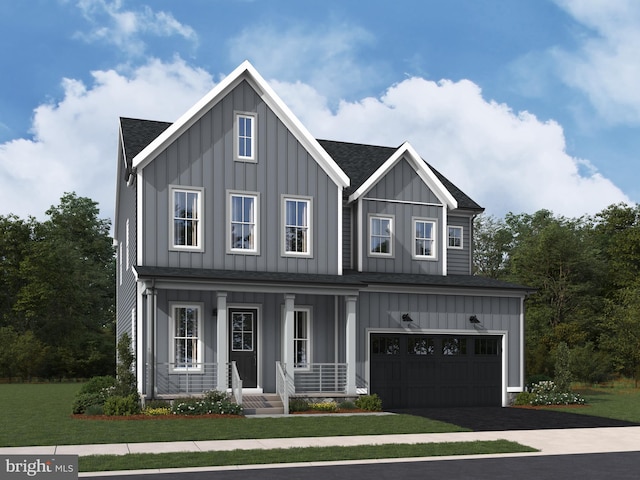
column 621, row 331
column 15, row 238
column 492, row 245
column 67, row 296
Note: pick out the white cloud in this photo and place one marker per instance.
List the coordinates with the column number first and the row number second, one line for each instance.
column 503, row 160
column 74, row 144
column 325, row 57
column 606, row 65
column 125, row 28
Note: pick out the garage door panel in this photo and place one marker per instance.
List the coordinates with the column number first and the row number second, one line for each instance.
column 436, row 370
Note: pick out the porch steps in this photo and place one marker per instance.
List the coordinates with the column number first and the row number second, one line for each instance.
column 262, row 404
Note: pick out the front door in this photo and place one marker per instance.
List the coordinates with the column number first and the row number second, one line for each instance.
column 243, row 344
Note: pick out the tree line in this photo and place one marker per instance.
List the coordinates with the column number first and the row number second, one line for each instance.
column 586, row 276
column 57, row 293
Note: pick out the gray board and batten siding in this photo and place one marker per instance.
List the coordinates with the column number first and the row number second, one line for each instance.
column 201, row 158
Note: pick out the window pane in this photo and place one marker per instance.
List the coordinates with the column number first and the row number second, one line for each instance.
column 247, row 211
column 420, row 346
column 454, row 346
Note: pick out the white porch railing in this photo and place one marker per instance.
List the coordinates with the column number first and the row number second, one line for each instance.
column 284, row 385
column 236, row 383
column 174, row 379
column 321, row 378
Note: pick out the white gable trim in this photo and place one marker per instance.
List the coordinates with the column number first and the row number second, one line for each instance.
column 247, row 72
column 424, row 172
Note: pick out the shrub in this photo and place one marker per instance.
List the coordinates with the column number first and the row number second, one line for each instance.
column 83, row 401
column 347, row 405
column 116, row 405
column 299, row 405
column 156, row 411
column 216, row 396
column 205, row 406
column 324, row 406
column 156, row 403
column 126, row 379
column 98, row 385
column 95, row 410
column 547, row 393
column 524, row 398
column 93, row 393
column 562, row 371
column 371, row 403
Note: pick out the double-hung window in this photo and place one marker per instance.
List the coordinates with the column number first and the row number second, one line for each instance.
column 245, row 137
column 380, row 236
column 424, row 238
column 302, row 338
column 186, row 337
column 297, row 226
column 243, row 224
column 455, row 237
column 186, row 221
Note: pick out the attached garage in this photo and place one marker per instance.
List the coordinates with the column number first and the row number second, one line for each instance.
column 423, row 370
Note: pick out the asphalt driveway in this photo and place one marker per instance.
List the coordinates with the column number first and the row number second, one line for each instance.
column 487, row 419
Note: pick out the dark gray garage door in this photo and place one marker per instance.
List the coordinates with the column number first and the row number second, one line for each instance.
column 412, row 371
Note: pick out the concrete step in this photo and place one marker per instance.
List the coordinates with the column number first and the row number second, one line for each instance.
column 263, row 404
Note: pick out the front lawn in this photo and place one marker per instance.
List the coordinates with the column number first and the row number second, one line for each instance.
column 40, row 414
column 619, row 400
column 294, row 455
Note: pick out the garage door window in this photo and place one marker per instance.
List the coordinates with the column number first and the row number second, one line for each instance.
column 454, row 346
column 421, row 346
column 386, row 346
column 487, row 346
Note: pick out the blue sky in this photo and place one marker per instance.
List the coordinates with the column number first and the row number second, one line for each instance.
column 524, row 104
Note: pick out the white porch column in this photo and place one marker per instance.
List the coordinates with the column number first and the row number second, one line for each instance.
column 288, row 354
column 351, row 340
column 222, row 341
column 151, row 342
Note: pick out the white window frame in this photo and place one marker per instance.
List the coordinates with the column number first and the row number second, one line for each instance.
column 308, row 340
column 309, row 229
column 390, row 219
column 434, row 239
column 199, row 308
column 255, row 250
column 449, row 237
column 253, row 118
column 199, row 237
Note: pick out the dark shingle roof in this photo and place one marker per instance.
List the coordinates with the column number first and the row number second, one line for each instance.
column 137, row 134
column 358, row 161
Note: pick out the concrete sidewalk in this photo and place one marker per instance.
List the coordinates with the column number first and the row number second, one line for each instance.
column 548, row 442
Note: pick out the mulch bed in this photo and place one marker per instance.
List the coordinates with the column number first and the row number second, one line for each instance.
column 151, row 417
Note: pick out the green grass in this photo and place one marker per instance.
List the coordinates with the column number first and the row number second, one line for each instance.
column 294, row 455
column 40, row 414
column 619, row 400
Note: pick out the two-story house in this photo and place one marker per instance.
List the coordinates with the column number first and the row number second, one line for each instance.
column 254, row 257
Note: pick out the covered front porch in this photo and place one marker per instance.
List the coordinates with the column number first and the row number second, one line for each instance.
column 290, row 340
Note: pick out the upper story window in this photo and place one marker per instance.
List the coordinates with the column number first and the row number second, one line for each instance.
column 380, row 236
column 297, row 226
column 245, row 137
column 455, row 237
column 186, row 227
column 185, row 323
column 243, row 224
column 424, row 238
